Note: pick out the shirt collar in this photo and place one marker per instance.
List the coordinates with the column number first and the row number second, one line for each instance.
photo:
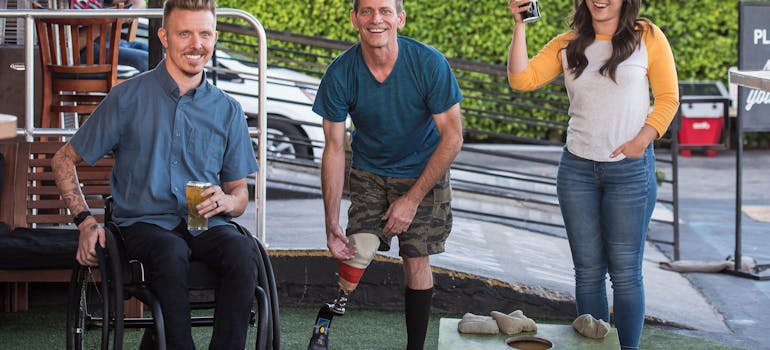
column 170, row 86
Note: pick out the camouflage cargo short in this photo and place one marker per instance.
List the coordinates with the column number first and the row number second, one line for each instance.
column 372, row 194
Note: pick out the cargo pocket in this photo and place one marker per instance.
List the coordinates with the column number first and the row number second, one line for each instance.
column 442, row 198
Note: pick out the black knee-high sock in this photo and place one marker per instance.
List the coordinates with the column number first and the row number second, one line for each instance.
column 417, row 311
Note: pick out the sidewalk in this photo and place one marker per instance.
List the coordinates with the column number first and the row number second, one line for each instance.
column 707, row 216
column 719, row 307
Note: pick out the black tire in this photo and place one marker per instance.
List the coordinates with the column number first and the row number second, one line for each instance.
column 267, row 319
column 93, row 304
column 284, row 139
column 271, row 289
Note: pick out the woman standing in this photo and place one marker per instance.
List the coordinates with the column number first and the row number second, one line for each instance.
column 606, row 180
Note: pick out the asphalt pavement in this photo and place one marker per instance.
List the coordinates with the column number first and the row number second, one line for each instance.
column 717, row 306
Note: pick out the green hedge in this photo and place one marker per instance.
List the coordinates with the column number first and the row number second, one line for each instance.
column 703, row 33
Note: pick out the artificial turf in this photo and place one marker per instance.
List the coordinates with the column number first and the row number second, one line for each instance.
column 43, row 328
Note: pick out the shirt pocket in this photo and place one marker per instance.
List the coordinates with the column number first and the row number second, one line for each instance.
column 206, row 150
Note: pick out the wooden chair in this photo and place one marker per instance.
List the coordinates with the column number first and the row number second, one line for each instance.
column 32, row 201
column 69, row 83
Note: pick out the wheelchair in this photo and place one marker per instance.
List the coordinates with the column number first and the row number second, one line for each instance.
column 95, row 311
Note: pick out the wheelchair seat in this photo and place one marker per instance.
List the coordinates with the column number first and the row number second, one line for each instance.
column 95, row 315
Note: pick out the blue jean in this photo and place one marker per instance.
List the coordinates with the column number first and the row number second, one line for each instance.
column 607, row 208
column 166, row 255
column 135, row 54
column 131, row 53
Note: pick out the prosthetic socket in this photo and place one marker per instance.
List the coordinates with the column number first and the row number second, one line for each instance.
column 350, row 271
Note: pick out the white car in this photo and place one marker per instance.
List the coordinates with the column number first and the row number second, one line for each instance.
column 294, row 130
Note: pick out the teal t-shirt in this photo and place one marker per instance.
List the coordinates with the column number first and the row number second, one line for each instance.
column 394, row 131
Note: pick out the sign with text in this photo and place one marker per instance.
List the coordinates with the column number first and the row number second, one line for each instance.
column 754, row 54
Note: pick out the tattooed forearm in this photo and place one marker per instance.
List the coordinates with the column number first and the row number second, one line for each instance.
column 65, row 174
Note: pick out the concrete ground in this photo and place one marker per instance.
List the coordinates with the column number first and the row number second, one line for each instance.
column 708, row 233
column 716, row 306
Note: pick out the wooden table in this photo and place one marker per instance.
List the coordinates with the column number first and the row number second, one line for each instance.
column 757, row 79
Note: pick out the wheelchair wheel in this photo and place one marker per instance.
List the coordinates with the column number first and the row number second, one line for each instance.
column 95, row 305
column 267, row 282
column 266, row 318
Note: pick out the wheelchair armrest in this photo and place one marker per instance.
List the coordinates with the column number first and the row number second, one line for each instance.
column 109, row 204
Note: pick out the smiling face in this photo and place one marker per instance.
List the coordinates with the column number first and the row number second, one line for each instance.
column 378, row 22
column 605, row 14
column 188, row 37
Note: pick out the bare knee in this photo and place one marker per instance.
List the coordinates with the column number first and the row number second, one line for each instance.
column 418, row 273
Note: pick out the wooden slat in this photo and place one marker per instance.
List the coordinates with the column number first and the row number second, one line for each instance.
column 59, row 204
column 9, row 150
column 40, row 162
column 48, row 275
column 20, row 185
column 56, row 219
column 82, row 109
column 46, row 204
column 53, row 191
column 45, row 147
column 84, row 175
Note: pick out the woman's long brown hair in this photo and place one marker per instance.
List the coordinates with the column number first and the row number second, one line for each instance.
column 627, row 37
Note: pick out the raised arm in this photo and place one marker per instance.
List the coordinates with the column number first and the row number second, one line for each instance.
column 517, row 52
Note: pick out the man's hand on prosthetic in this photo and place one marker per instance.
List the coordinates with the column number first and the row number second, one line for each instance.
column 337, row 243
column 399, row 216
column 91, row 233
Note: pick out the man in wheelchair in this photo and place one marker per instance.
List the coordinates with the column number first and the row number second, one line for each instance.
column 164, row 128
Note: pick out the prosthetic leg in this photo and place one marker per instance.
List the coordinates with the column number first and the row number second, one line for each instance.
column 350, row 273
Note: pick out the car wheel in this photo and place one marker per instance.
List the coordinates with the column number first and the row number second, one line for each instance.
column 284, row 140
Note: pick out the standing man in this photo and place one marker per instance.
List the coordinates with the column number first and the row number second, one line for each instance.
column 405, row 103
column 165, row 127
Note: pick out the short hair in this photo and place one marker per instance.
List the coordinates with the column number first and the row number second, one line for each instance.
column 399, row 6
column 170, row 5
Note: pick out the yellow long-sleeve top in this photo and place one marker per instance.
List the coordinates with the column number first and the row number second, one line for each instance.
column 604, row 114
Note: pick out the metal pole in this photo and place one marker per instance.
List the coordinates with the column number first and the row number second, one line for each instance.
column 156, row 49
column 29, row 78
column 738, row 189
column 675, row 175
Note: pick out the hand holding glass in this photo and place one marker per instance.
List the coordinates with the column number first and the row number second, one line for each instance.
column 196, row 221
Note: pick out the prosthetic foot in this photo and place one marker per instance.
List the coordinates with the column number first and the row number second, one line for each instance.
column 320, row 338
column 350, row 273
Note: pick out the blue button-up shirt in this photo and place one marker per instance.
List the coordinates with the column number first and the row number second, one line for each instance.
column 161, row 140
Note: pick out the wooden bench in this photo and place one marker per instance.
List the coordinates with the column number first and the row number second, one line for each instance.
column 35, row 204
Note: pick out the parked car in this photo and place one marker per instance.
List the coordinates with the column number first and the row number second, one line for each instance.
column 293, row 129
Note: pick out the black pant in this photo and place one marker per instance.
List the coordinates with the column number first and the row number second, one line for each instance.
column 166, row 256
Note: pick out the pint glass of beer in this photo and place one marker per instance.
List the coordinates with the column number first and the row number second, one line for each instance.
column 196, row 221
